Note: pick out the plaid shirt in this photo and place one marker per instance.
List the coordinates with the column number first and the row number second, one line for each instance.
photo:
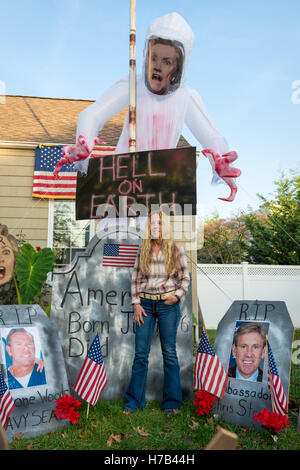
column 159, row 282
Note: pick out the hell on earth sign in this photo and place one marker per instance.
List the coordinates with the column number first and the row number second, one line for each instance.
column 163, row 177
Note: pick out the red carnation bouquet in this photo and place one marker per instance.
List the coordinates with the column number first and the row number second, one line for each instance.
column 203, row 402
column 67, row 407
column 273, row 422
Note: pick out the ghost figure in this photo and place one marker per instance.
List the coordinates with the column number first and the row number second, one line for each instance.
column 164, row 104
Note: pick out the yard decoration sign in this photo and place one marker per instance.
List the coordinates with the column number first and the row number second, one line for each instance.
column 33, row 368
column 162, row 177
column 243, row 336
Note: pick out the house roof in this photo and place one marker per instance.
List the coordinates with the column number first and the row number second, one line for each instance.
column 52, row 120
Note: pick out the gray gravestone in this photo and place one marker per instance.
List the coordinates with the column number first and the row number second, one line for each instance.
column 87, row 296
column 35, row 400
column 244, row 398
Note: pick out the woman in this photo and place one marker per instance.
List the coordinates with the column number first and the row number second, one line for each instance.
column 160, row 280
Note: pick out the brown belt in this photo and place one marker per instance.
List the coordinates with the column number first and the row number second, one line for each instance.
column 145, row 295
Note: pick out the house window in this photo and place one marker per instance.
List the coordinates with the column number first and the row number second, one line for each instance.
column 70, row 236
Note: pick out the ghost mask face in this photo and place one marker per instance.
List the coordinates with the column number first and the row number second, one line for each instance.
column 163, row 66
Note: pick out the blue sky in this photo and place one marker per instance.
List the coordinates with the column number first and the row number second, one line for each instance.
column 245, row 61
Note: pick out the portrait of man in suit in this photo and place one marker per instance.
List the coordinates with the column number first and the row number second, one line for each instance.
column 248, row 351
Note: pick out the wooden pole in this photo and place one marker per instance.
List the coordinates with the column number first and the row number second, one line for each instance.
column 269, row 374
column 3, row 439
column 132, row 78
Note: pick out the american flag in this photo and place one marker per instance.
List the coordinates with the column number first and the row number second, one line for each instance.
column 92, row 377
column 279, row 399
column 44, row 183
column 209, row 373
column 6, row 402
column 119, row 255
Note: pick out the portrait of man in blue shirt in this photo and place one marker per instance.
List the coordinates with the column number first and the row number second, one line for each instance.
column 26, row 370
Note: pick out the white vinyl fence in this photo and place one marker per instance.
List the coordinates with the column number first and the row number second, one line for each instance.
column 218, row 285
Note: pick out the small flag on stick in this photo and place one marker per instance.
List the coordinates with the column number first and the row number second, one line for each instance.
column 209, row 373
column 91, row 380
column 279, row 400
column 6, row 402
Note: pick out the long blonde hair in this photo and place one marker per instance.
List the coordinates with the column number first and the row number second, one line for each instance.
column 167, row 245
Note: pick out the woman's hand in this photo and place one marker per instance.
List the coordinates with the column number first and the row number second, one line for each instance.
column 171, row 300
column 138, row 314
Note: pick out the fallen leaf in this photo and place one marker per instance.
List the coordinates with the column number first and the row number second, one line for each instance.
column 32, row 446
column 194, row 425
column 211, row 421
column 113, row 437
column 18, row 436
column 142, row 432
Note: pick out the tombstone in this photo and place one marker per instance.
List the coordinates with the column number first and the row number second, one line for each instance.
column 90, row 295
column 244, row 398
column 34, row 397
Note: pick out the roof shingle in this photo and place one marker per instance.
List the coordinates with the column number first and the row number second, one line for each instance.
column 52, row 120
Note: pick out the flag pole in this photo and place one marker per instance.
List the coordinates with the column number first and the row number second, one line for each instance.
column 88, row 405
column 269, row 375
column 132, row 78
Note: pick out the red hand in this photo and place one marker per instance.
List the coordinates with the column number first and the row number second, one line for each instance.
column 75, row 153
column 221, row 164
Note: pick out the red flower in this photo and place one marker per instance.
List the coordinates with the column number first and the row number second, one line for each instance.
column 38, row 248
column 67, row 408
column 204, row 402
column 273, row 422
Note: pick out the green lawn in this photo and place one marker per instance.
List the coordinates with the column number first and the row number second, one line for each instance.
column 109, row 428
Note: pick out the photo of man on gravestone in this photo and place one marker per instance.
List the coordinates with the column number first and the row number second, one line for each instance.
column 24, row 368
column 248, row 351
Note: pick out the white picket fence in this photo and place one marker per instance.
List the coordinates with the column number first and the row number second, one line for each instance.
column 218, row 285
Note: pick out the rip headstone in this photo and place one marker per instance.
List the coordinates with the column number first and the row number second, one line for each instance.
column 247, row 391
column 27, row 331
column 90, row 295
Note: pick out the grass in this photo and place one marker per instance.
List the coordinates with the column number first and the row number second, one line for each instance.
column 109, row 428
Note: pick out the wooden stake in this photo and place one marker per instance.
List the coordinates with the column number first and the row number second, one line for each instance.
column 132, row 78
column 3, row 439
column 269, row 374
column 223, row 440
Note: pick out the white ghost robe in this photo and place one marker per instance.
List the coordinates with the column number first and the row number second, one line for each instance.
column 159, row 118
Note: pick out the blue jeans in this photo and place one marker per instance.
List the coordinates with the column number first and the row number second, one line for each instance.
column 168, row 317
